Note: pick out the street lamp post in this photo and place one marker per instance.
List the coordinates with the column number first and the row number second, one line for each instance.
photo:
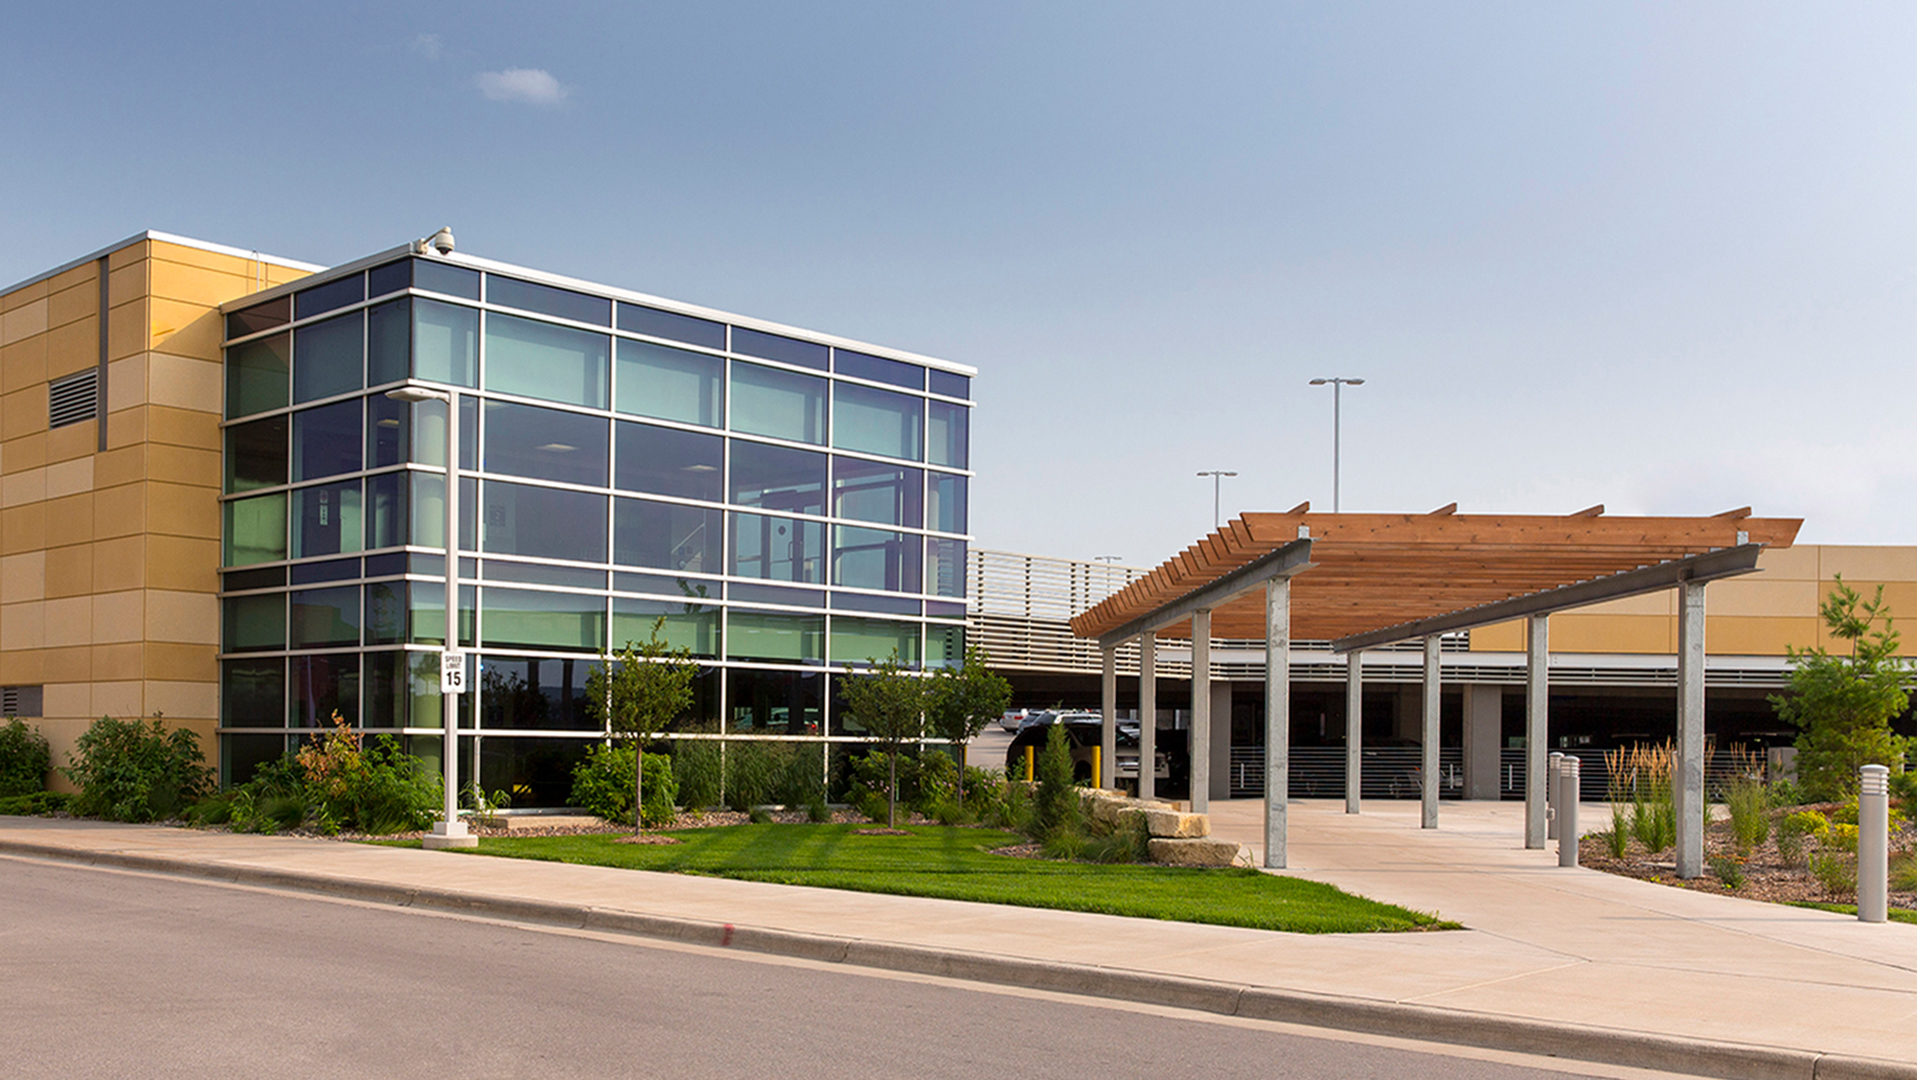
column 1216, row 474
column 1338, row 381
column 450, row 831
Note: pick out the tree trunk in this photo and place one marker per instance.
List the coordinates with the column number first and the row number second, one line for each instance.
column 639, row 775
column 893, row 786
column 960, row 785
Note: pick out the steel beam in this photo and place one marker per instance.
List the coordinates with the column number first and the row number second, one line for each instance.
column 1281, row 562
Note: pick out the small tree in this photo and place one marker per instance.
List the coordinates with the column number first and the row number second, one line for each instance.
column 961, row 701
column 638, row 692
column 888, row 701
column 1845, row 705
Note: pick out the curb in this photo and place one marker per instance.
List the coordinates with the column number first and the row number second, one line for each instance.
column 1579, row 1042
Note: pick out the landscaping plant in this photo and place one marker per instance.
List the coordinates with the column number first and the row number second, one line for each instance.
column 1056, row 804
column 1746, row 798
column 638, row 692
column 24, row 759
column 888, row 702
column 129, row 771
column 961, row 701
column 697, row 771
column 602, row 786
column 1844, row 705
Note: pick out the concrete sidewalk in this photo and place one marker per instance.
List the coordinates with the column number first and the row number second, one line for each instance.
column 1566, row 962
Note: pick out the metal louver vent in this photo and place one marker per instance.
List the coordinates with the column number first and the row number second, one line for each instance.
column 73, row 398
column 20, row 701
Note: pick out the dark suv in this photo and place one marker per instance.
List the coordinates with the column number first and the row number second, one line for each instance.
column 1083, row 737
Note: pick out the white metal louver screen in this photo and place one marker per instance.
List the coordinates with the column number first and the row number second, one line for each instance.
column 73, row 398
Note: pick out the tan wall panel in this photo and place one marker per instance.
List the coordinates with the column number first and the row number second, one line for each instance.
column 183, row 382
column 69, row 621
column 280, row 275
column 1875, row 563
column 184, row 329
column 127, row 281
column 124, row 662
column 127, row 383
column 67, row 279
column 25, row 452
column 69, row 571
column 24, row 321
column 23, row 625
column 1656, row 603
column 1800, row 563
column 182, row 663
column 127, row 428
column 69, row 520
column 25, row 294
column 120, row 700
column 1574, row 632
column 1504, row 637
column 73, row 347
column 120, row 511
column 127, row 330
column 180, row 700
column 183, row 563
column 24, row 577
column 1759, row 635
column 22, row 666
column 118, row 616
column 70, row 477
column 200, row 257
column 24, row 411
column 71, row 665
column 23, row 487
column 1755, row 595
column 200, row 285
column 186, row 617
column 183, row 427
column 76, row 302
column 23, row 364
column 68, row 699
column 181, row 510
column 119, row 564
column 128, row 255
column 23, row 528
column 1898, row 596
column 180, row 465
column 61, row 734
column 126, row 465
column 72, row 442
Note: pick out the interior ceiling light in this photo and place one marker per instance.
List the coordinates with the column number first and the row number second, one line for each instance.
column 556, row 448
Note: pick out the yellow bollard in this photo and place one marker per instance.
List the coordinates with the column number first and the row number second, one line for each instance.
column 1096, row 767
column 1029, row 764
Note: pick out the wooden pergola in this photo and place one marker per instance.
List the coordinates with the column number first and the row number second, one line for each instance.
column 1366, row 580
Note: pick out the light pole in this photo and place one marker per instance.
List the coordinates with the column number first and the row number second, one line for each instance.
column 1216, row 474
column 1338, row 381
column 450, row 831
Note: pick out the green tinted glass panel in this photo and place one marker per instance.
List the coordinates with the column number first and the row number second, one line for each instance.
column 257, row 454
column 780, row 404
column 256, row 529
column 387, row 341
column 946, row 646
column 524, row 619
column 877, row 421
column 446, row 343
column 427, row 614
column 319, row 618
column 855, row 641
column 386, row 620
column 693, row 627
column 752, row 635
column 671, row 384
column 327, row 357
column 255, row 622
column 947, row 434
column 326, row 519
column 541, row 360
column 257, row 376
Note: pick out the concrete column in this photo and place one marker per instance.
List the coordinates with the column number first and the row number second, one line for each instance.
column 1278, row 720
column 1480, row 741
column 1536, row 732
column 1353, row 731
column 1222, row 705
column 1149, row 653
column 1430, row 736
column 1689, row 772
column 1108, row 697
column 1200, row 739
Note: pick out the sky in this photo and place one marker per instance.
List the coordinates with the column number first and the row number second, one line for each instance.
column 1659, row 256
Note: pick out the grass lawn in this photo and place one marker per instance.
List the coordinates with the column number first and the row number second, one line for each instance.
column 956, row 864
column 1894, row 914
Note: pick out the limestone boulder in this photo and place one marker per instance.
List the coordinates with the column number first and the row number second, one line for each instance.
column 1198, row 852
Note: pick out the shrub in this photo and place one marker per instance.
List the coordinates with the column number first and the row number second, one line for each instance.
column 1900, row 875
column 603, row 786
column 24, row 759
column 753, row 770
column 1056, row 805
column 129, row 771
column 1833, row 871
column 1617, row 836
column 1785, row 793
column 1900, row 794
column 1746, row 800
column 1790, row 836
column 1729, row 870
column 798, row 779
column 37, row 804
column 697, row 771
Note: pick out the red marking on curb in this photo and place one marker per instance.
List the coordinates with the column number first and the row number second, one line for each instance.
column 726, row 935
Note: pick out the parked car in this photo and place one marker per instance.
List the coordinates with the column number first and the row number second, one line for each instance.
column 1012, row 719
column 1083, row 737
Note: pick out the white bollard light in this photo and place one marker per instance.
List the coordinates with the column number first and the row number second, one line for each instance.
column 1870, row 890
column 1568, row 812
column 1553, row 794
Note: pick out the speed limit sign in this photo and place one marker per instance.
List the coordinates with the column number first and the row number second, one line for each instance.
column 453, row 672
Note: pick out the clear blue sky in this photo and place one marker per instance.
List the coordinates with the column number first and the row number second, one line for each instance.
column 1660, row 256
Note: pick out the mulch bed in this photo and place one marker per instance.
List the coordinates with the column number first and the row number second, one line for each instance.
column 1767, row 877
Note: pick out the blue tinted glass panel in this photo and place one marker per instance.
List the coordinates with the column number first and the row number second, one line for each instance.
column 879, row 369
column 429, row 420
column 257, row 376
column 392, row 277
column 323, row 687
column 387, row 424
column 386, row 616
column 326, row 519
column 947, row 502
column 947, row 434
column 386, row 511
column 326, row 440
column 885, row 605
column 947, row 568
column 750, row 592
column 666, row 536
column 668, row 461
column 389, row 328
column 875, row 491
column 541, row 360
column 547, row 300
column 257, row 454
column 312, row 573
column 778, row 478
column 946, row 382
column 938, row 610
column 392, row 562
column 673, row 326
column 539, row 573
column 252, row 692
column 546, row 444
column 326, row 358
column 875, row 559
column 446, row 280
column 669, row 384
column 544, row 523
column 780, row 404
column 779, row 549
column 324, row 298
column 666, row 585
column 527, row 694
column 775, row 347
column 877, row 421
column 429, row 514
column 277, row 312
column 321, row 618
column 446, row 343
column 523, row 619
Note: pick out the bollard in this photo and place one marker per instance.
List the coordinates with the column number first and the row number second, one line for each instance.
column 1870, row 889
column 1569, row 810
column 1029, row 764
column 1096, row 768
column 1553, row 794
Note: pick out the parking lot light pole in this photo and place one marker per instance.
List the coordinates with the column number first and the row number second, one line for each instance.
column 1216, row 474
column 449, row 831
column 1337, row 381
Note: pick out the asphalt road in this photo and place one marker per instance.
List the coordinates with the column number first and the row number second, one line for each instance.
column 110, row 973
